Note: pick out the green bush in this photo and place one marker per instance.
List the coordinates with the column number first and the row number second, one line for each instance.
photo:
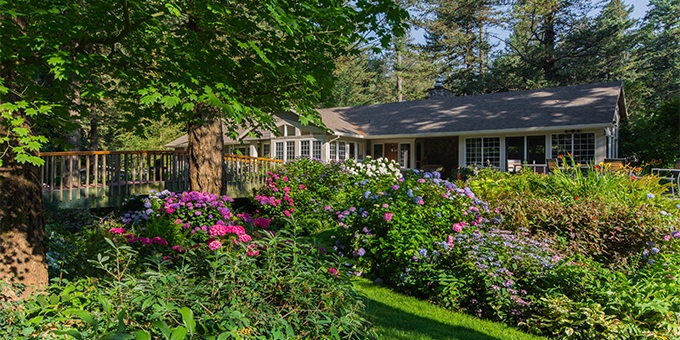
column 304, row 188
column 289, row 290
column 386, row 223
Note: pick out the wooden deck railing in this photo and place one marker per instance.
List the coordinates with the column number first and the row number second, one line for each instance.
column 105, row 178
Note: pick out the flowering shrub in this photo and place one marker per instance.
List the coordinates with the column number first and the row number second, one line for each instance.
column 188, row 219
column 386, row 223
column 306, row 189
column 486, row 273
column 375, row 169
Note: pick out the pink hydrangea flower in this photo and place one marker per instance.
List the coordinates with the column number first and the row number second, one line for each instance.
column 214, row 245
column 118, row 231
column 388, row 216
column 333, row 272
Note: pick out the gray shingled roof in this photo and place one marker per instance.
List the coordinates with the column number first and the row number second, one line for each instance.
column 569, row 106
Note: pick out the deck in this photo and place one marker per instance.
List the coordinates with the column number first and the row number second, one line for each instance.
column 99, row 179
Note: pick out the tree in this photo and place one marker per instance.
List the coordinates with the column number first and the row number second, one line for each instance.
column 458, row 39
column 539, row 42
column 658, row 50
column 653, row 136
column 199, row 62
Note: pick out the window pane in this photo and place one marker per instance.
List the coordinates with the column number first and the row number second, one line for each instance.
column 334, row 150
column 491, row 151
column 290, row 151
column 265, row 150
column 304, row 148
column 473, row 151
column 377, row 151
column 279, row 150
column 342, row 149
column 317, row 149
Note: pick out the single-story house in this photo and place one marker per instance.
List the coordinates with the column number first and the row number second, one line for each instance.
column 454, row 131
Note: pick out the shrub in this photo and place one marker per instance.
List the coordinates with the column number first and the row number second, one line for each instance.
column 172, row 222
column 289, row 290
column 387, row 222
column 304, row 188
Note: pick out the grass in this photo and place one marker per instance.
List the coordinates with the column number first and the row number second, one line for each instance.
column 397, row 316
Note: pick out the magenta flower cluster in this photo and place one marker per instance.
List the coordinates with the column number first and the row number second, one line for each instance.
column 189, row 219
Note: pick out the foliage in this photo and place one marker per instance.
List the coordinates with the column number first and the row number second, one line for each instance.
column 653, row 137
column 173, row 222
column 304, row 188
column 584, row 209
column 286, row 291
column 386, row 223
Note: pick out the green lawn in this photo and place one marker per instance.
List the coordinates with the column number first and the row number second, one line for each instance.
column 397, row 316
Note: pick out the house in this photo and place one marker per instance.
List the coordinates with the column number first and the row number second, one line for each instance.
column 447, row 132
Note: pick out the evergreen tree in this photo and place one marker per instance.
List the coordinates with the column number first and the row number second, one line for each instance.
column 659, row 53
column 457, row 39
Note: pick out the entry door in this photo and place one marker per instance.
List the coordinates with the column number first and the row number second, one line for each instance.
column 392, row 151
column 514, row 148
column 536, row 149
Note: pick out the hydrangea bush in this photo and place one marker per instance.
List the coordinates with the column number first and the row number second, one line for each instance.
column 386, row 223
column 305, row 189
column 169, row 220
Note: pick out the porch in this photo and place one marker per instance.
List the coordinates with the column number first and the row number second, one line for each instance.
column 97, row 179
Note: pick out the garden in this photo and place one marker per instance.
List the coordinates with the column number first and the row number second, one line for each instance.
column 570, row 255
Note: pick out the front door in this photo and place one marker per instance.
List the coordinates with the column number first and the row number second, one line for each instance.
column 514, row 148
column 392, row 151
column 536, row 149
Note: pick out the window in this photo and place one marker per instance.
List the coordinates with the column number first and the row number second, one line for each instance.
column 342, row 150
column 351, row 147
column 290, row 150
column 266, row 152
column 316, row 149
column 279, row 150
column 304, row 148
column 377, row 151
column 404, row 155
column 334, row 150
column 580, row 145
column 483, row 151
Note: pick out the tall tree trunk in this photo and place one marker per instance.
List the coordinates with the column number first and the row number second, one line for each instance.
column 206, row 147
column 549, row 46
column 400, row 92
column 22, row 227
column 94, row 128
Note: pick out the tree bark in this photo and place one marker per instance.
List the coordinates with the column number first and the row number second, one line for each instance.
column 206, row 147
column 22, row 228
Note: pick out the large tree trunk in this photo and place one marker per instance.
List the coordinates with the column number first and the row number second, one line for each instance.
column 206, row 146
column 22, row 233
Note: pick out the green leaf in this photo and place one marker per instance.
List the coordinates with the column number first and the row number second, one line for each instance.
column 150, row 99
column 178, row 333
column 72, row 332
column 173, row 10
column 84, row 315
column 163, row 327
column 188, row 319
column 170, row 101
column 142, row 335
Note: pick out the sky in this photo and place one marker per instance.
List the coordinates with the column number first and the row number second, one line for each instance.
column 639, row 10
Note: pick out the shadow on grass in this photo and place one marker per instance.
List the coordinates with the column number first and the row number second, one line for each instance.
column 395, row 323
column 397, row 316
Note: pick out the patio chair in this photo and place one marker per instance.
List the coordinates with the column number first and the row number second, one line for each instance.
column 514, row 165
column 615, row 163
column 552, row 164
